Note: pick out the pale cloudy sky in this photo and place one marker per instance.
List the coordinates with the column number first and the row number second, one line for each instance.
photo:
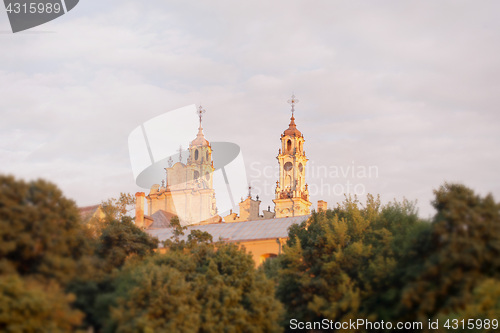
column 411, row 88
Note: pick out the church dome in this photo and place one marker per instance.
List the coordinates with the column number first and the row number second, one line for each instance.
column 200, row 139
column 292, row 128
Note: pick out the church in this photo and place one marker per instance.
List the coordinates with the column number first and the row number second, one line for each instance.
column 188, row 193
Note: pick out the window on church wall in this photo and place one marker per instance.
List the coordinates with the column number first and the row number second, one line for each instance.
column 207, row 176
column 196, row 154
column 301, row 168
column 289, row 145
column 267, row 256
column 300, row 146
column 207, row 155
column 196, row 175
column 288, row 166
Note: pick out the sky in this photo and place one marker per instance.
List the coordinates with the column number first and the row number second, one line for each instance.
column 406, row 94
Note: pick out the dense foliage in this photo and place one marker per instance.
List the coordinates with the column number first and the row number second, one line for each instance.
column 27, row 305
column 40, row 231
column 52, row 264
column 371, row 261
column 452, row 266
column 336, row 261
column 382, row 263
column 204, row 288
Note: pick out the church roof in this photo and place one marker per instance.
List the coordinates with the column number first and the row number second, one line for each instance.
column 161, row 219
column 200, row 139
column 238, row 231
column 292, row 128
column 87, row 212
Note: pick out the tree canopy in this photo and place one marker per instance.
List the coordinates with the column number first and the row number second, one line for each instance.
column 210, row 288
column 335, row 261
column 384, row 263
column 368, row 261
column 40, row 230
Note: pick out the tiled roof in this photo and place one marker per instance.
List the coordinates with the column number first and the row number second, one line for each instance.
column 238, row 231
column 87, row 212
column 161, row 219
column 292, row 128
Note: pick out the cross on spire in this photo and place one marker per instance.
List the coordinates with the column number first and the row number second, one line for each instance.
column 180, row 153
column 200, row 113
column 292, row 101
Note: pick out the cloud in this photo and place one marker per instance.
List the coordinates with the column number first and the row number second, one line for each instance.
column 411, row 88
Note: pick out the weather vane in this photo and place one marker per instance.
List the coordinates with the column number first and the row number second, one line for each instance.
column 200, row 113
column 292, row 101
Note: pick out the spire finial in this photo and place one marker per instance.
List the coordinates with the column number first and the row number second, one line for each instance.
column 292, row 101
column 200, row 113
column 200, row 138
column 249, row 191
column 180, row 153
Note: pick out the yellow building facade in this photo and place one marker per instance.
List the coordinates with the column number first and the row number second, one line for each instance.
column 189, row 194
column 188, row 191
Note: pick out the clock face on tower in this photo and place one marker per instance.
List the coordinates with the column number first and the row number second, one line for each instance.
column 288, row 166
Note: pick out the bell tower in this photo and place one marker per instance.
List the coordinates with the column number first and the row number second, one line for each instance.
column 189, row 191
column 199, row 164
column 292, row 195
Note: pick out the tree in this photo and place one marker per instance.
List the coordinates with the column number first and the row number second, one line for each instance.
column 334, row 263
column 40, row 231
column 176, row 241
column 197, row 237
column 116, row 208
column 153, row 298
column 112, row 240
column 112, row 209
column 27, row 305
column 204, row 288
column 444, row 272
column 121, row 239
